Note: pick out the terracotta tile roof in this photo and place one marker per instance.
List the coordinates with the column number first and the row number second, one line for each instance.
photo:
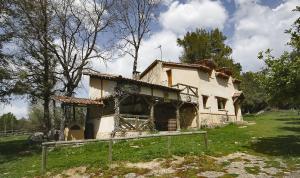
column 186, row 65
column 225, row 70
column 236, row 80
column 73, row 100
column 121, row 78
column 222, row 75
column 175, row 64
column 207, row 62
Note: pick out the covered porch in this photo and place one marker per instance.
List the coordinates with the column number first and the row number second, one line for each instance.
column 74, row 117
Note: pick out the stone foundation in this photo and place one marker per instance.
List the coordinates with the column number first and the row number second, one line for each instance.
column 212, row 120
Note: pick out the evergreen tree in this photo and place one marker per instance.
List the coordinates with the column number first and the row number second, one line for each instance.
column 203, row 44
column 29, row 23
column 8, row 122
column 255, row 95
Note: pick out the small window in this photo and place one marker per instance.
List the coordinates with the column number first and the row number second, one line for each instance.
column 204, row 100
column 221, row 103
column 169, row 74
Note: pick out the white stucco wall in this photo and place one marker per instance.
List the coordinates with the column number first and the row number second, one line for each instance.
column 207, row 84
column 154, row 75
column 95, row 88
column 103, row 126
column 109, row 85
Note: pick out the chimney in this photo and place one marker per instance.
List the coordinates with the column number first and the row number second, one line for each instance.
column 136, row 75
column 207, row 62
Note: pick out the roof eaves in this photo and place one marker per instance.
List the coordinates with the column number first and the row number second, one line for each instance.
column 74, row 100
column 185, row 65
column 120, row 78
column 222, row 75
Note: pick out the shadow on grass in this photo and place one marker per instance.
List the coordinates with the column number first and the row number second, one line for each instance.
column 293, row 122
column 287, row 145
column 288, row 119
column 14, row 149
column 291, row 129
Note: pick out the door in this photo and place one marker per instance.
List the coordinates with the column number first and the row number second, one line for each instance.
column 89, row 131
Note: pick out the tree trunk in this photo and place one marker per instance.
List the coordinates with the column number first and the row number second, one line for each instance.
column 69, row 93
column 62, row 124
column 134, row 71
column 70, row 89
column 47, row 119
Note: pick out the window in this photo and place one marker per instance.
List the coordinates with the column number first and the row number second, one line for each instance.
column 204, row 100
column 221, row 103
column 169, row 74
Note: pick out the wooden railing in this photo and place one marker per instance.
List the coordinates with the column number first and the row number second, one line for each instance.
column 135, row 122
column 187, row 89
column 45, row 145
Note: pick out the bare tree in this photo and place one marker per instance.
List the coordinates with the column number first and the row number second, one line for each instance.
column 133, row 24
column 79, row 26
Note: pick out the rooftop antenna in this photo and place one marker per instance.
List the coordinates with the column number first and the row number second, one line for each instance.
column 160, row 52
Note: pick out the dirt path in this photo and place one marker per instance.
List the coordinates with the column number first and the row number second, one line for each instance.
column 240, row 165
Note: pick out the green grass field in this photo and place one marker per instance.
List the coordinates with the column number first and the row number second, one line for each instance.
column 275, row 135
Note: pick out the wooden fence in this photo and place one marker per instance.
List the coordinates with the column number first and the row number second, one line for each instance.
column 14, row 132
column 45, row 145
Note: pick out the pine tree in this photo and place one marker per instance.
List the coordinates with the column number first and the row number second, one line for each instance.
column 203, row 44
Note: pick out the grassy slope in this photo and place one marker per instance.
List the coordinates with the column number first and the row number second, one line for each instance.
column 275, row 134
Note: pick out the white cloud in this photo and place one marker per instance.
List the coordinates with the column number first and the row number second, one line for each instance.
column 194, row 14
column 18, row 107
column 175, row 22
column 259, row 27
column 148, row 53
column 256, row 27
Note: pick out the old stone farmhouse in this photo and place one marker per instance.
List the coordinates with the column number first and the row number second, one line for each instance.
column 167, row 96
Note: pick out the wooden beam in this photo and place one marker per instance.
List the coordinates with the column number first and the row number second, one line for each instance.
column 110, row 149
column 178, row 105
column 74, row 113
column 101, row 88
column 169, row 145
column 44, row 159
column 72, row 142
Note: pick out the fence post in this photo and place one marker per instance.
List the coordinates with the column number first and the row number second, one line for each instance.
column 205, row 140
column 110, row 151
column 169, row 145
column 44, row 158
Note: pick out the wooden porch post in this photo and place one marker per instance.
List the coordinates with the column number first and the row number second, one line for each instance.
column 74, row 118
column 178, row 105
column 117, row 113
column 178, row 117
column 198, row 122
column 152, row 115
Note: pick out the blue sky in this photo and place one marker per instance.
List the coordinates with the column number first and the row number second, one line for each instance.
column 250, row 25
